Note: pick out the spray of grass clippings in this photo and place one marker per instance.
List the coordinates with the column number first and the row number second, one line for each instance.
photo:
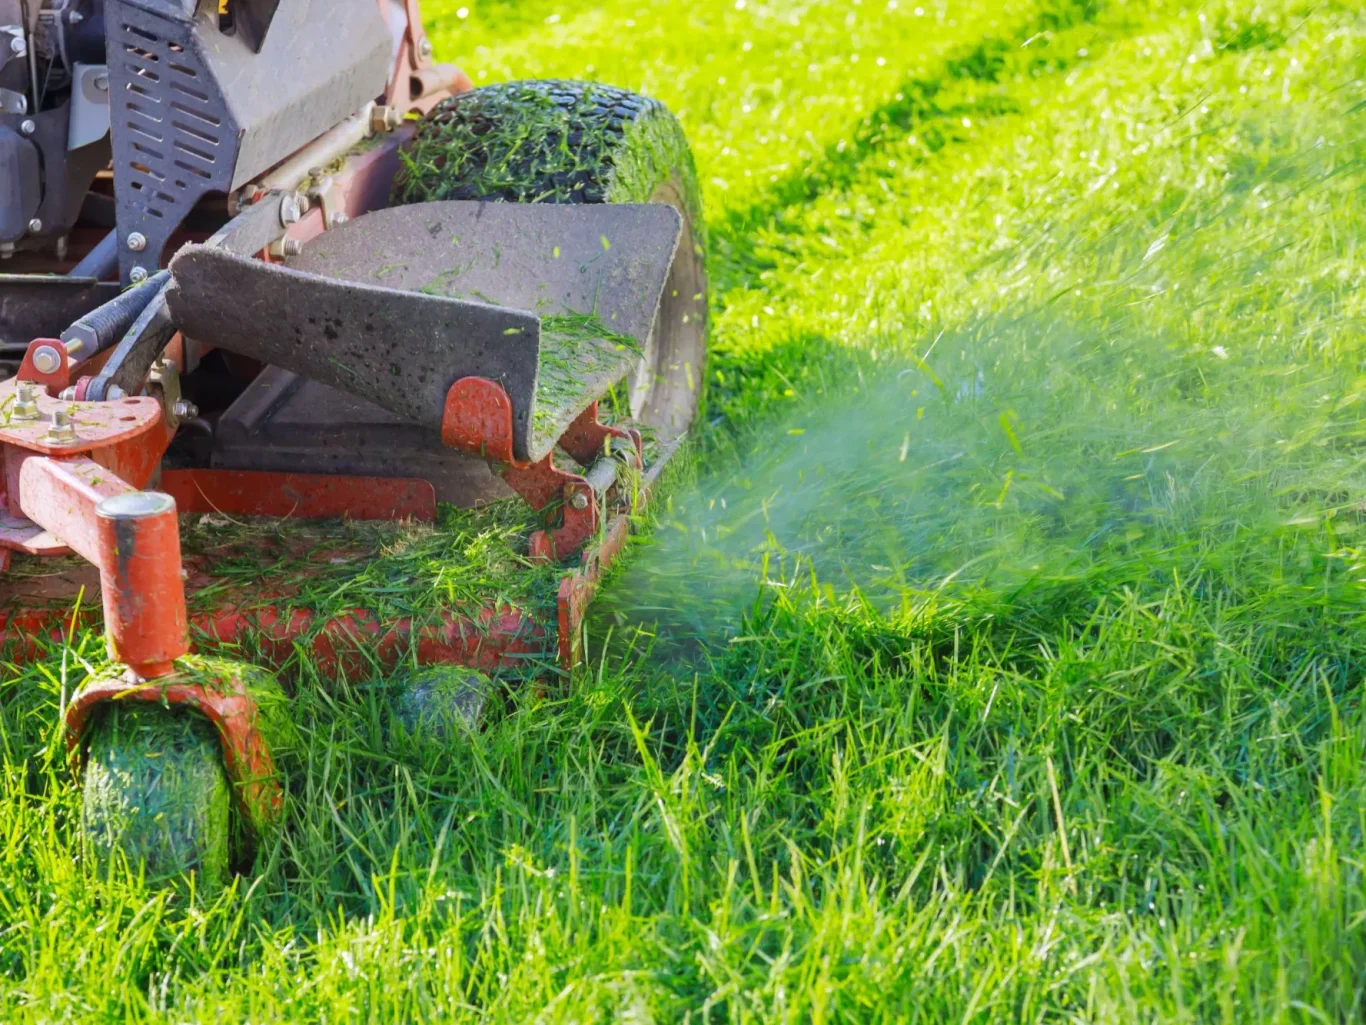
column 1176, row 400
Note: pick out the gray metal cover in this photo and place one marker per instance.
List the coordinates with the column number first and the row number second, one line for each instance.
column 194, row 111
column 357, row 311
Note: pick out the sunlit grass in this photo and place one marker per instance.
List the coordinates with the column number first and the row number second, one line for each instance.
column 1021, row 578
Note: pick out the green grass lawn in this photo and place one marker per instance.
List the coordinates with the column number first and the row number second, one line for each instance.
column 1003, row 660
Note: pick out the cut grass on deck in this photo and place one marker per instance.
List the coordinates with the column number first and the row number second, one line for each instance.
column 1021, row 674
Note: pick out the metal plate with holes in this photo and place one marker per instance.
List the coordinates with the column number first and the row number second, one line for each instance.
column 96, row 424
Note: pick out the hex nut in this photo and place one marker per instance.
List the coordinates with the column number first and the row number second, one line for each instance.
column 59, row 430
column 579, row 501
column 46, row 359
column 25, row 406
column 35, row 226
column 137, row 241
column 28, row 126
column 137, row 275
column 385, row 119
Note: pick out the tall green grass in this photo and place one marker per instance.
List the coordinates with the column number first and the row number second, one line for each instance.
column 1026, row 678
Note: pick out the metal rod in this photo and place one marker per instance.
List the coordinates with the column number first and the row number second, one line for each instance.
column 30, row 39
column 603, row 474
column 101, row 262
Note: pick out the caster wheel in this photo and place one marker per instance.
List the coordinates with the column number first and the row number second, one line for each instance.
column 156, row 796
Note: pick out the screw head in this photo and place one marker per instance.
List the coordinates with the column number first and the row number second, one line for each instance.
column 425, row 47
column 137, row 275
column 28, row 126
column 579, row 501
column 137, row 241
column 35, row 226
column 46, row 359
column 102, row 83
column 17, row 46
column 75, row 17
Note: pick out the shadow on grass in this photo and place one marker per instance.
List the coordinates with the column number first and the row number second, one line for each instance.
column 931, row 108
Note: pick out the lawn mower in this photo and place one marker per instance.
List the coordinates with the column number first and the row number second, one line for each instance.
column 266, row 258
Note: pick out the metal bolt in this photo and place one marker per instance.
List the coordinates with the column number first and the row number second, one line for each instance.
column 425, row 47
column 102, row 83
column 385, row 119
column 17, row 46
column 579, row 501
column 59, row 429
column 46, row 359
column 293, row 247
column 292, row 207
column 137, row 275
column 338, row 219
column 25, row 407
column 137, row 241
column 35, row 226
column 184, row 409
column 68, row 394
column 28, row 126
column 75, row 17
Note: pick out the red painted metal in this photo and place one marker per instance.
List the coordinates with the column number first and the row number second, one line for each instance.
column 97, row 425
column 135, row 543
column 54, row 381
column 577, row 590
column 478, row 420
column 359, row 641
column 303, row 495
column 227, row 704
column 586, row 439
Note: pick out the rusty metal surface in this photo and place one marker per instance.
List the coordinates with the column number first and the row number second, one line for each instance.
column 140, row 582
column 301, row 495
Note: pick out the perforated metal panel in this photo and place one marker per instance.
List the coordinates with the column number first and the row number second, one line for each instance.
column 195, row 111
column 174, row 138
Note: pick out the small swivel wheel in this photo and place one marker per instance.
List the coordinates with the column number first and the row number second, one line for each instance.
column 156, row 795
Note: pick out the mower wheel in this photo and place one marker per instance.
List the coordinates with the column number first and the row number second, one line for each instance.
column 156, row 794
column 581, row 142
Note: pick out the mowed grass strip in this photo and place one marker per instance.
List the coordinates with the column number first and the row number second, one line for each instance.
column 1087, row 747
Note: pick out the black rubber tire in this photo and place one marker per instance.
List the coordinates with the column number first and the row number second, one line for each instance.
column 156, row 795
column 581, row 142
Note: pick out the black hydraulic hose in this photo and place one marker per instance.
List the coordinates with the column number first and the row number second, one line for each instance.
column 101, row 261
column 106, row 325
